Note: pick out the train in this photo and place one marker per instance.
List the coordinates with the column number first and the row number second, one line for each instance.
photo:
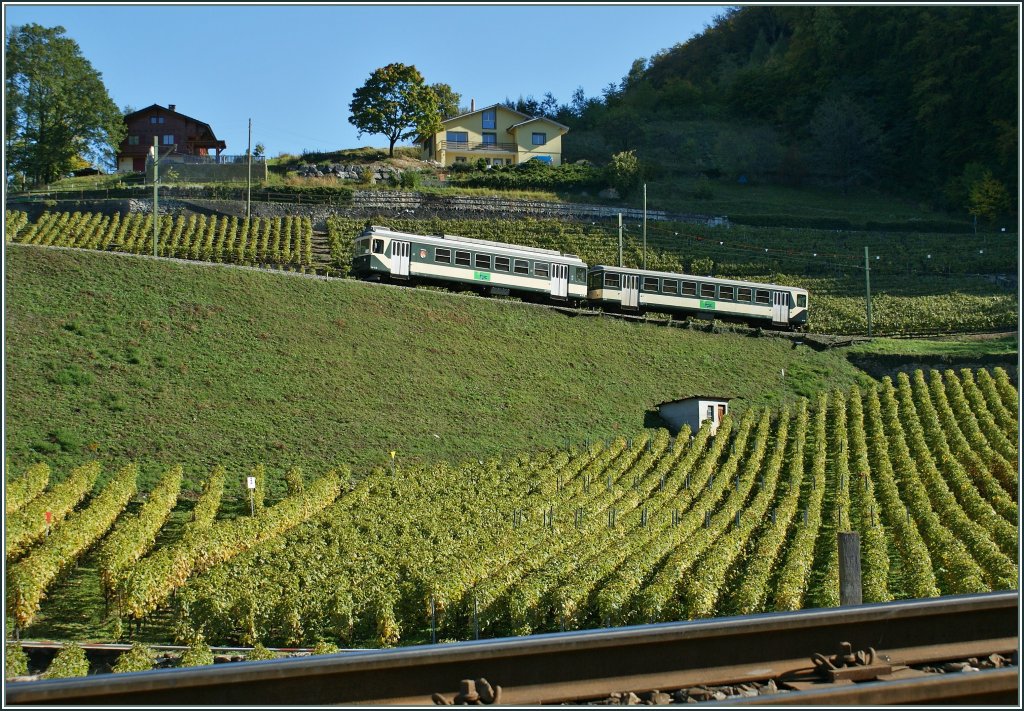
column 547, row 275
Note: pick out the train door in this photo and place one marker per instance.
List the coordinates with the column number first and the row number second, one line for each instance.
column 630, row 291
column 780, row 307
column 559, row 280
column 399, row 259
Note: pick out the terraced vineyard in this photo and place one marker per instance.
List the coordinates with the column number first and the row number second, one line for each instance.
column 610, row 533
column 275, row 241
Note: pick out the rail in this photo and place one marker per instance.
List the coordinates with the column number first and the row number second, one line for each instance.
column 555, row 668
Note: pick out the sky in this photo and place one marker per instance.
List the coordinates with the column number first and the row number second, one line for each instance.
column 292, row 69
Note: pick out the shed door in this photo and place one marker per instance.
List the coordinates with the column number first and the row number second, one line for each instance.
column 630, row 291
column 559, row 281
column 399, row 258
column 780, row 307
column 721, row 413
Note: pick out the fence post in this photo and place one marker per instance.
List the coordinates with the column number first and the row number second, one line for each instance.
column 850, row 591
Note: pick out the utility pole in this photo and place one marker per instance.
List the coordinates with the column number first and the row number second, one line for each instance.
column 156, row 180
column 620, row 239
column 645, row 225
column 248, row 182
column 867, row 284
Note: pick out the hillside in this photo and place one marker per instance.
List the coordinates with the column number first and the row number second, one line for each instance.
column 123, row 357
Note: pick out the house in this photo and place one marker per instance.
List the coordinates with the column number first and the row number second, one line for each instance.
column 496, row 133
column 693, row 411
column 179, row 135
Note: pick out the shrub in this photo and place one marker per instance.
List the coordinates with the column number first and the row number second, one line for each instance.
column 198, row 654
column 134, row 660
column 259, row 652
column 69, row 662
column 324, row 647
column 15, row 661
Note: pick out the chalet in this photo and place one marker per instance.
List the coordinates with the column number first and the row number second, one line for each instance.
column 498, row 134
column 693, row 411
column 178, row 134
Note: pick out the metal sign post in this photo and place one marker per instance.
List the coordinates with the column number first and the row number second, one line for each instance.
column 250, row 482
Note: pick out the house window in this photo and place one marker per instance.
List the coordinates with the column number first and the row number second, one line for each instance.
column 483, row 261
column 442, row 254
column 650, row 283
column 707, row 291
column 761, row 296
column 168, row 139
column 689, row 288
column 611, row 280
column 458, row 136
column 726, row 292
column 539, row 139
column 490, row 139
column 521, row 266
column 460, row 159
column 711, row 413
column 133, row 140
column 488, row 118
column 156, row 119
column 670, row 286
column 744, row 294
column 462, row 258
column 540, row 269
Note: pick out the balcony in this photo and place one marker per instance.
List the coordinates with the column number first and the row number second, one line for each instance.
column 480, row 147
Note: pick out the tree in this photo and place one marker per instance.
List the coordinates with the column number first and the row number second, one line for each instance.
column 447, row 100
column 624, row 172
column 395, row 102
column 988, row 198
column 57, row 106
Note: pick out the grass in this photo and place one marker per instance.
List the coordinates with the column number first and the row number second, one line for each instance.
column 963, row 347
column 126, row 358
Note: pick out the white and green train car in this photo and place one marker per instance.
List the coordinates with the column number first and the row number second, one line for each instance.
column 640, row 289
column 489, row 267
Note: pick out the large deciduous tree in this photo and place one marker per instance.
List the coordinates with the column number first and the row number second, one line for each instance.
column 397, row 103
column 58, row 109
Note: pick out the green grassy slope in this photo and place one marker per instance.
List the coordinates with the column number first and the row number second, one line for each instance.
column 129, row 358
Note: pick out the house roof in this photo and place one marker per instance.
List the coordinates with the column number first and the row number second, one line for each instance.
column 539, row 118
column 164, row 109
column 485, row 108
column 724, row 398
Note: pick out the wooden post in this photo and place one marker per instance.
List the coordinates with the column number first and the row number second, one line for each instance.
column 850, row 592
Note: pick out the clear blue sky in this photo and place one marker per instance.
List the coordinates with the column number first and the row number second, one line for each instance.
column 292, row 69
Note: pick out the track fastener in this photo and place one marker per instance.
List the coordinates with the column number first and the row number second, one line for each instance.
column 471, row 693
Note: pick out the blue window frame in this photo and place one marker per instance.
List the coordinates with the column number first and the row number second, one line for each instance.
column 539, row 139
column 457, row 136
column 488, row 119
column 490, row 139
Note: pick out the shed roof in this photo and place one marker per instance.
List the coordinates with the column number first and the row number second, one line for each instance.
column 723, row 398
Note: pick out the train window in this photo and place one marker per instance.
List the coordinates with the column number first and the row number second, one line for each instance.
column 611, row 280
column 462, row 258
column 595, row 280
column 521, row 266
column 650, row 284
column 581, row 274
column 744, row 294
column 483, row 261
column 762, row 297
column 501, row 264
column 540, row 269
column 378, row 246
column 689, row 288
column 670, row 286
column 801, row 301
column 726, row 292
column 443, row 254
column 707, row 291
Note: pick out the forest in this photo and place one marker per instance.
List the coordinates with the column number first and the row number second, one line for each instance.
column 920, row 101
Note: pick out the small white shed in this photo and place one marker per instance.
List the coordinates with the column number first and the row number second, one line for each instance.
column 693, row 411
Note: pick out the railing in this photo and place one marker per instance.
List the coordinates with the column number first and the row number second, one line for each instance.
column 475, row 146
column 209, row 160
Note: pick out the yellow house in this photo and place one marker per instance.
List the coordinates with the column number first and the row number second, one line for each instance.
column 498, row 134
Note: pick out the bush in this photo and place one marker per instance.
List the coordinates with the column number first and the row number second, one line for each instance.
column 259, row 652
column 198, row 654
column 324, row 647
column 134, row 660
column 69, row 662
column 15, row 661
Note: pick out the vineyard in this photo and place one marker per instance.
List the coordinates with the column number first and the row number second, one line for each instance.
column 922, row 283
column 610, row 532
column 280, row 242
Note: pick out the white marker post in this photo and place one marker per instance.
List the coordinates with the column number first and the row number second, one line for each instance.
column 250, row 482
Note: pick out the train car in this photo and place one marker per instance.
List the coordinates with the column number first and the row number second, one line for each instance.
column 639, row 289
column 488, row 267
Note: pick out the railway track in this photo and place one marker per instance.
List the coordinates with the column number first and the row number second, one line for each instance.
column 800, row 654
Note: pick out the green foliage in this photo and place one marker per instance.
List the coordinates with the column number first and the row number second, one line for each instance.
column 989, row 198
column 624, row 172
column 57, row 108
column 136, row 659
column 259, row 652
column 324, row 647
column 198, row 654
column 69, row 662
column 15, row 661
column 702, row 266
column 532, row 174
column 395, row 102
